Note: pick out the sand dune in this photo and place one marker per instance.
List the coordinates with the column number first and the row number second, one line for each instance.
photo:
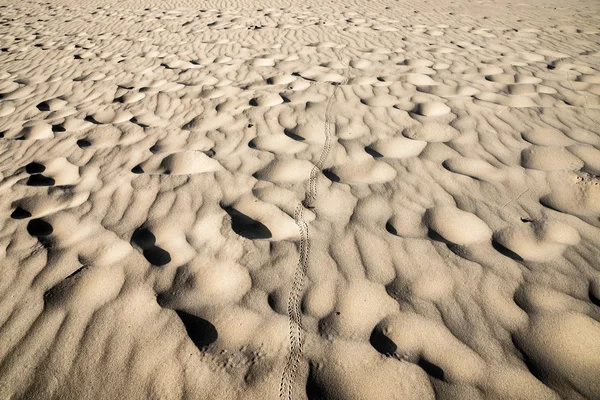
column 278, row 199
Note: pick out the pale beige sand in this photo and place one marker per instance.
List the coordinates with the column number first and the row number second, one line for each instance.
column 281, row 199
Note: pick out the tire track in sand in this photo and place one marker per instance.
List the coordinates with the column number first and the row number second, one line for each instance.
column 294, row 301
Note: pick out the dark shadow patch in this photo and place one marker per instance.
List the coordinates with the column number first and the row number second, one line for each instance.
column 382, row 343
column 146, row 240
column 247, row 227
column 459, row 250
column 331, row 176
column 544, row 202
column 201, row 331
column 507, row 252
column 432, row 370
column 40, row 180
column 251, row 144
column 253, row 103
column 137, row 170
column 271, row 301
column 91, row 119
column 157, row 256
column 526, row 219
column 445, row 165
column 164, row 299
column 62, row 288
column 393, row 292
column 138, row 123
column 373, row 153
column 433, row 235
column 43, row 106
column 314, row 390
column 39, row 228
column 84, row 143
column 20, row 213
column 143, row 238
column 76, row 272
column 35, row 168
column 390, row 228
column 595, row 300
column 291, row 134
column 58, row 128
column 529, row 363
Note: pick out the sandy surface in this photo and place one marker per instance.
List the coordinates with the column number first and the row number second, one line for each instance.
column 325, row 199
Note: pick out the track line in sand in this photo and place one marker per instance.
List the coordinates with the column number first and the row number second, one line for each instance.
column 312, row 181
column 294, row 301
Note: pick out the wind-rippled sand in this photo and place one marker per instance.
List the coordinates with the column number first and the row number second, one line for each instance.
column 322, row 200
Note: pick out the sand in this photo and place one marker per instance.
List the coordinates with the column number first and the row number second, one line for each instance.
column 262, row 199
